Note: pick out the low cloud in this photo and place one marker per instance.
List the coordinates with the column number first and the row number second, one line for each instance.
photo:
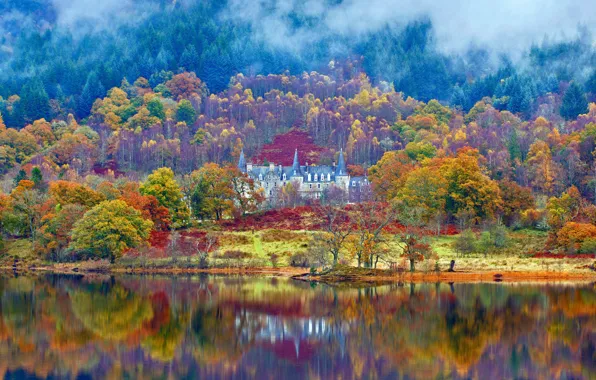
column 504, row 26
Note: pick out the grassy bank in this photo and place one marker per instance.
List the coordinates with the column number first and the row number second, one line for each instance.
column 271, row 250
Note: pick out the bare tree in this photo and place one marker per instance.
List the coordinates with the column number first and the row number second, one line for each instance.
column 369, row 220
column 336, row 226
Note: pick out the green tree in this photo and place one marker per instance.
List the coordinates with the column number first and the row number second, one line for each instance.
column 109, row 229
column 574, row 102
column 185, row 112
column 35, row 103
column 212, row 194
column 37, row 177
column 162, row 185
column 21, row 175
column 156, row 109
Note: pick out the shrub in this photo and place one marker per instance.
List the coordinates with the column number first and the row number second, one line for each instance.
column 300, row 260
column 235, row 255
column 274, row 260
column 270, row 236
column 533, row 218
column 588, row 246
column 234, row 239
column 573, row 235
column 466, row 242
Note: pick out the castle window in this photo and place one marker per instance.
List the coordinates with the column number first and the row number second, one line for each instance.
column 260, row 177
column 310, row 186
column 353, row 183
column 315, row 178
column 309, row 179
column 322, row 177
column 284, row 176
column 319, row 185
column 329, row 177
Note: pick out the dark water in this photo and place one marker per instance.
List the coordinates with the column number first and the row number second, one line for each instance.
column 267, row 328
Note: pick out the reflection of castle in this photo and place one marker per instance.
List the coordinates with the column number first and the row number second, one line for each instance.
column 278, row 333
column 311, row 180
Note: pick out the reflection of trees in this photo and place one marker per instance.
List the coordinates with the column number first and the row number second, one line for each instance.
column 243, row 326
column 220, row 334
column 111, row 313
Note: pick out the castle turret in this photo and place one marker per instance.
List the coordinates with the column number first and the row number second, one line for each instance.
column 342, row 178
column 341, row 170
column 242, row 162
column 296, row 166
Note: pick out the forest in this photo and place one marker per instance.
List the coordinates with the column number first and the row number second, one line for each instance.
column 124, row 142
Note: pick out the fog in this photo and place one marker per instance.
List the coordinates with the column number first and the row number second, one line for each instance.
column 503, row 26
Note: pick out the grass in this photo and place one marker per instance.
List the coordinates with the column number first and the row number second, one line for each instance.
column 259, row 245
column 21, row 248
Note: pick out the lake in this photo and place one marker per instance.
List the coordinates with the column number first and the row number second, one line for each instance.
column 276, row 328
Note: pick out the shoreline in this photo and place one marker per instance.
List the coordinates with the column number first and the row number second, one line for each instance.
column 368, row 276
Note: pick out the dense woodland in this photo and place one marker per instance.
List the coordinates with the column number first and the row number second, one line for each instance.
column 436, row 165
column 143, row 131
column 56, row 69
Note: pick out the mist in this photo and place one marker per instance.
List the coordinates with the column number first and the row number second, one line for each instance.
column 508, row 26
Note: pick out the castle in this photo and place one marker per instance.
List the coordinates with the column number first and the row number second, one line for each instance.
column 312, row 180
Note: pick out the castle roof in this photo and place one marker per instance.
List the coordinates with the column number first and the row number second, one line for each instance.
column 296, row 165
column 242, row 162
column 341, row 169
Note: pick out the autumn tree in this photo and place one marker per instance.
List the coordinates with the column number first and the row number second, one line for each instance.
column 336, row 229
column 247, row 196
column 388, row 175
column 148, row 205
column 542, row 170
column 109, row 229
column 368, row 221
column 64, row 192
column 25, row 211
column 162, row 185
column 53, row 237
column 211, row 192
column 516, row 199
column 565, row 208
column 471, row 194
column 424, row 189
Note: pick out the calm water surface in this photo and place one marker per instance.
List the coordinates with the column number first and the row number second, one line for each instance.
column 268, row 328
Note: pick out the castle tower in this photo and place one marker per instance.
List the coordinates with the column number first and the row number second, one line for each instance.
column 296, row 166
column 242, row 162
column 342, row 178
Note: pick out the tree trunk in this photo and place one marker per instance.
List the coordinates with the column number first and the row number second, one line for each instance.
column 412, row 269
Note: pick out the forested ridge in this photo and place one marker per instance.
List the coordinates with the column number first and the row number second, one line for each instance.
column 56, row 69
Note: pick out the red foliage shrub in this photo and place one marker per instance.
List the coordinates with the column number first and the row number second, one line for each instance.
column 281, row 150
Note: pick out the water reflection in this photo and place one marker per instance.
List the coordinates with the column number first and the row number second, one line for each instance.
column 230, row 327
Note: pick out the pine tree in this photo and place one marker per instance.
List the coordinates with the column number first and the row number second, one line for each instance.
column 514, row 147
column 575, row 102
column 93, row 89
column 37, row 177
column 35, row 103
column 21, row 175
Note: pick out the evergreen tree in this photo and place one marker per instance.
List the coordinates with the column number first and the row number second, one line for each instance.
column 574, row 102
column 37, row 177
column 186, row 112
column 514, row 147
column 21, row 175
column 35, row 103
column 93, row 90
